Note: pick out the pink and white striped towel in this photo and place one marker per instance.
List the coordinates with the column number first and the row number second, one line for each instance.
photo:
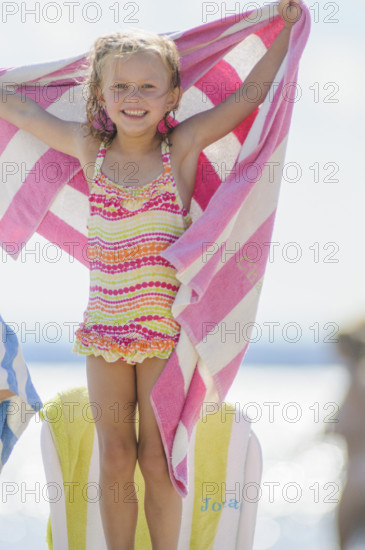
column 221, row 258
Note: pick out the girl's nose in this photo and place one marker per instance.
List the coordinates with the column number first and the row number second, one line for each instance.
column 133, row 92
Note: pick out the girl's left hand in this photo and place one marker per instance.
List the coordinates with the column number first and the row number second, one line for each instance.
column 290, row 11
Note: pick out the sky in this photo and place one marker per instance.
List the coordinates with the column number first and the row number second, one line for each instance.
column 316, row 272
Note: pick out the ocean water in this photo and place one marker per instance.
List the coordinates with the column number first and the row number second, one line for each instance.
column 293, row 411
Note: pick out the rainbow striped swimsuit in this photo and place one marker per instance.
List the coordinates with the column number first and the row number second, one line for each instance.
column 132, row 287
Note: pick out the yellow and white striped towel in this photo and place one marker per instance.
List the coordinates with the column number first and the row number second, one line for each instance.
column 224, row 470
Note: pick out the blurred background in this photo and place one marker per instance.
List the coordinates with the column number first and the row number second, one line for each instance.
column 293, row 381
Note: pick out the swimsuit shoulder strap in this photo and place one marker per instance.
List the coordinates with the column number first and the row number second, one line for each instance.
column 165, row 154
column 99, row 158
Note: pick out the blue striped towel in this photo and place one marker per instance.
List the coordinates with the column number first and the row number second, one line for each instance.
column 17, row 410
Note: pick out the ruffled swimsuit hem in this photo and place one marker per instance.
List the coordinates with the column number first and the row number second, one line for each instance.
column 92, row 343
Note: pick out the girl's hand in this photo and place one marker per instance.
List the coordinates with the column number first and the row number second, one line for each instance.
column 290, row 11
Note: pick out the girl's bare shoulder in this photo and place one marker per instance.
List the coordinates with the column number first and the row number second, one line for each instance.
column 88, row 147
column 182, row 139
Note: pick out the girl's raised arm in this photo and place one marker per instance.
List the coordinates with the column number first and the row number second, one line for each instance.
column 205, row 128
column 25, row 113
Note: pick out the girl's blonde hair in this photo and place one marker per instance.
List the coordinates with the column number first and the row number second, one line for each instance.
column 119, row 44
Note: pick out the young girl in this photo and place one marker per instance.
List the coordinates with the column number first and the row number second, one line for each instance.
column 140, row 195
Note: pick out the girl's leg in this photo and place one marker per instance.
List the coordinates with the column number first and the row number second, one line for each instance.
column 112, row 386
column 163, row 504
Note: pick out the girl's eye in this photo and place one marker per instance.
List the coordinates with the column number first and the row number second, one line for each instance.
column 123, row 86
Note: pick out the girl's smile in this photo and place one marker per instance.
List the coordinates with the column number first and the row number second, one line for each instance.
column 134, row 114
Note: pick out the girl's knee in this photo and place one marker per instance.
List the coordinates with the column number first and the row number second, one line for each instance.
column 152, row 462
column 117, row 456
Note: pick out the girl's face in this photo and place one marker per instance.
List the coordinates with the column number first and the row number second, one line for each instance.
column 137, row 92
